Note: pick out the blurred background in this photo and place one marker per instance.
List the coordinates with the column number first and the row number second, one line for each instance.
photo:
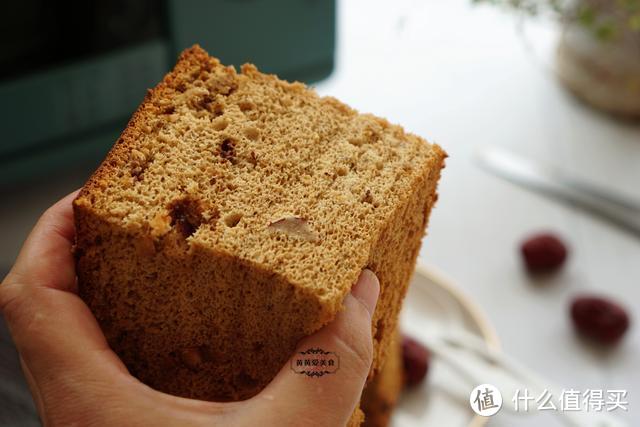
column 560, row 89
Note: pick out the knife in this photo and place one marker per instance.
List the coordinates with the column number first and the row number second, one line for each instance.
column 558, row 185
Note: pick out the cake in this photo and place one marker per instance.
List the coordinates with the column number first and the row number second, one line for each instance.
column 232, row 217
column 381, row 394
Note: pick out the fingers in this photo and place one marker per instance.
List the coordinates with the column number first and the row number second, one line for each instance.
column 329, row 399
column 58, row 338
column 45, row 258
column 54, row 331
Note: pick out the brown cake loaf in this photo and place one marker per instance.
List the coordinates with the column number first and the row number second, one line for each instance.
column 381, row 394
column 232, row 217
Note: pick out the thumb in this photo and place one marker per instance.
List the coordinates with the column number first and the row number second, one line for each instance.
column 329, row 399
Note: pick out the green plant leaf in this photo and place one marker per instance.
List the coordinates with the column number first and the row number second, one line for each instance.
column 605, row 31
column 586, row 16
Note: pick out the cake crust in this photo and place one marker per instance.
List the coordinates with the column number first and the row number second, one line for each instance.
column 380, row 396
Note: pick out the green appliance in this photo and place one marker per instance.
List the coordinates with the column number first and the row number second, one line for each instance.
column 73, row 72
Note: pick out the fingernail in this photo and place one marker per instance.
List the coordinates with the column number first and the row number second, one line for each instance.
column 366, row 290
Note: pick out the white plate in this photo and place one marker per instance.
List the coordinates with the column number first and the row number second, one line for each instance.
column 442, row 400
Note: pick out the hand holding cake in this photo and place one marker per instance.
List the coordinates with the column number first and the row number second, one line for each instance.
column 76, row 379
column 223, row 264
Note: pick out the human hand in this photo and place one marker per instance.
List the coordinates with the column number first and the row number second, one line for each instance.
column 76, row 379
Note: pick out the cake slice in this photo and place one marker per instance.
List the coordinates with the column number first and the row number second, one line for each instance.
column 380, row 396
column 232, row 217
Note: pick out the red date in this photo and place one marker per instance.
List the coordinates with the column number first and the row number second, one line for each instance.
column 599, row 319
column 415, row 361
column 543, row 253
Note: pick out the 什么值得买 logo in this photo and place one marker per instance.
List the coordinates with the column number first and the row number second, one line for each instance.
column 485, row 400
column 315, row 362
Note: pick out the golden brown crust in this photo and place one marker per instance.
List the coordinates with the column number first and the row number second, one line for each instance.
column 235, row 202
column 141, row 117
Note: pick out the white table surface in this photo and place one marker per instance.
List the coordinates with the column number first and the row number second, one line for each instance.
column 461, row 76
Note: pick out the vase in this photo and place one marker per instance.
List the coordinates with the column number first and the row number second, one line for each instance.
column 603, row 73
